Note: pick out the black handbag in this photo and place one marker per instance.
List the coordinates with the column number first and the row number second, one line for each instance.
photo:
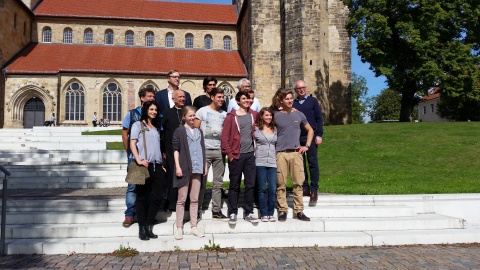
column 137, row 174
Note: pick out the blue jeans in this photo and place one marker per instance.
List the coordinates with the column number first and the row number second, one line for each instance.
column 267, row 188
column 130, row 197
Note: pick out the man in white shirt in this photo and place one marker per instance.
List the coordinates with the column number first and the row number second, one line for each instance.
column 244, row 86
column 210, row 120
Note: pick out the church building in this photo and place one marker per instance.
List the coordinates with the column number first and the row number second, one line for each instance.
column 74, row 58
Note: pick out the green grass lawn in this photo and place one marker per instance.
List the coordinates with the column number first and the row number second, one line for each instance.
column 401, row 158
column 397, row 158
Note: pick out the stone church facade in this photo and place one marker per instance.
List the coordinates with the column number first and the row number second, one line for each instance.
column 73, row 60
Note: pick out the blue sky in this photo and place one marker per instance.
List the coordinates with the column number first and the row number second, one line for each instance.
column 374, row 84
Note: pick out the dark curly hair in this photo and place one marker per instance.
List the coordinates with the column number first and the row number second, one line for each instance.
column 145, row 107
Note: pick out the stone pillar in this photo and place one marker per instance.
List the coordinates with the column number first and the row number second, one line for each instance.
column 266, row 48
column 340, row 70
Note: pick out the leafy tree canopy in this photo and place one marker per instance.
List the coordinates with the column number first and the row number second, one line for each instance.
column 417, row 44
column 385, row 106
column 359, row 91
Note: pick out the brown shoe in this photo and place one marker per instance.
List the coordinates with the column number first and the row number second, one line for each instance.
column 127, row 222
column 306, row 193
column 314, row 196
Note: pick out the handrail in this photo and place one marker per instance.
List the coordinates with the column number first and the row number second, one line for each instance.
column 5, row 171
column 4, row 210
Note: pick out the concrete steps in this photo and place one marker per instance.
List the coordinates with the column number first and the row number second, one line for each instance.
column 93, row 211
column 100, row 230
column 94, row 226
column 241, row 240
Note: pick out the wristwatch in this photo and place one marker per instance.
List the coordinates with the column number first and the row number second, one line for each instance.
column 306, row 145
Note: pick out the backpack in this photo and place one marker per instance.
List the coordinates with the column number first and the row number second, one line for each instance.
column 134, row 117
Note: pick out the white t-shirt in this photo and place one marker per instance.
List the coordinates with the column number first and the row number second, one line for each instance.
column 212, row 125
column 234, row 105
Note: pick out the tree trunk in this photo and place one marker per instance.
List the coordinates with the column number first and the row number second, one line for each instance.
column 408, row 102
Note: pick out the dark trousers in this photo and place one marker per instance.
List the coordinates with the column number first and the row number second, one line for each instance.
column 172, row 193
column 149, row 196
column 246, row 165
column 312, row 157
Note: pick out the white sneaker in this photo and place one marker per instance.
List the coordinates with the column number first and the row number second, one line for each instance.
column 179, row 234
column 265, row 219
column 251, row 218
column 271, row 219
column 198, row 233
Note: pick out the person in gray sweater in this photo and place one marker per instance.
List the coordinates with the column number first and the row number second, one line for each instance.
column 266, row 164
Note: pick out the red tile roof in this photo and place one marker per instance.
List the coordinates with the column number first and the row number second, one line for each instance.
column 53, row 58
column 139, row 10
column 432, row 93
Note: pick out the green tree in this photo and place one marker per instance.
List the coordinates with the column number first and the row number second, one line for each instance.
column 385, row 106
column 359, row 91
column 414, row 43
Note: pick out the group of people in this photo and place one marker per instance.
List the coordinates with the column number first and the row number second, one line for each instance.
column 178, row 141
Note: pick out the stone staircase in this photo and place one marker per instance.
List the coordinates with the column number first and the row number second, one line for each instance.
column 47, row 216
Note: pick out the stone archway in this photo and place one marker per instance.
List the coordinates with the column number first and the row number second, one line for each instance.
column 17, row 101
column 33, row 113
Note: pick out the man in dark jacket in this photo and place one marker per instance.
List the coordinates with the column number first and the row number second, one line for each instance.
column 309, row 106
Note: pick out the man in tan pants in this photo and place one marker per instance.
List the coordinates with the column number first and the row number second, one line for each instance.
column 290, row 155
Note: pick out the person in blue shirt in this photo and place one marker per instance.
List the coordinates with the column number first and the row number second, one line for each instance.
column 309, row 106
column 133, row 115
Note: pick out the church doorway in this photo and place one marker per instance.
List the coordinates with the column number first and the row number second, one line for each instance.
column 33, row 113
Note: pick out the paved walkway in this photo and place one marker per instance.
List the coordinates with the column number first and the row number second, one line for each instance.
column 391, row 257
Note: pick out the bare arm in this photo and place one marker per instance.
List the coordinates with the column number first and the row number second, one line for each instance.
column 310, row 131
column 125, row 138
column 178, row 169
column 133, row 147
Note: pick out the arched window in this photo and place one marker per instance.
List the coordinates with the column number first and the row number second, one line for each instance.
column 228, row 92
column 129, row 36
column 170, row 40
column 112, row 102
column 88, row 36
column 75, row 102
column 208, row 42
column 150, row 85
column 109, row 36
column 47, row 34
column 67, row 35
column 227, row 43
column 189, row 41
column 149, row 39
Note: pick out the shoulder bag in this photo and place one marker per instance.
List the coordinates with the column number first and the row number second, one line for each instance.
column 137, row 174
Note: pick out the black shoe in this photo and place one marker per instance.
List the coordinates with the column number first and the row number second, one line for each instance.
column 142, row 233
column 301, row 216
column 199, row 216
column 150, row 232
column 282, row 216
column 219, row 215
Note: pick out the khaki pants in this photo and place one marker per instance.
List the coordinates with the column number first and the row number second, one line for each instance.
column 293, row 163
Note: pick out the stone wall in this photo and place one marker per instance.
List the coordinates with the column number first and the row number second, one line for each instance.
column 266, row 56
column 139, row 29
column 15, row 33
column 51, row 90
column 15, row 29
column 340, row 66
